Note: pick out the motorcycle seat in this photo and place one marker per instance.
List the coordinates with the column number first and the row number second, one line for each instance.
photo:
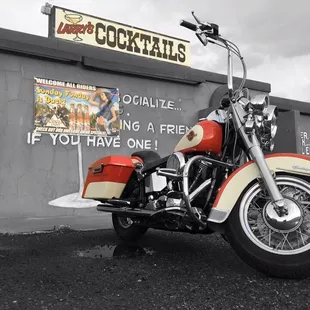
column 150, row 159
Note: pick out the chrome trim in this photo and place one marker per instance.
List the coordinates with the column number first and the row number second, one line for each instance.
column 181, row 158
column 230, row 74
column 245, row 103
column 270, row 123
column 218, row 216
column 253, row 145
column 155, row 183
column 249, row 125
column 98, row 169
column 259, row 158
column 286, row 180
column 169, row 209
column 167, row 172
column 285, row 224
column 186, row 196
column 105, row 207
column 200, row 188
column 260, row 102
column 118, row 202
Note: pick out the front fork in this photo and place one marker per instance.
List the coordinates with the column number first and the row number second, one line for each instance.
column 252, row 144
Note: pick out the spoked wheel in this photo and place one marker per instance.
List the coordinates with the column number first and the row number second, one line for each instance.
column 277, row 246
column 125, row 222
column 124, row 227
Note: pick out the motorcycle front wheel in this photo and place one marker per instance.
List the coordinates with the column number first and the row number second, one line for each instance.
column 276, row 246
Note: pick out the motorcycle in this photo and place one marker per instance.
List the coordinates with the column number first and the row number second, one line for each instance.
column 217, row 180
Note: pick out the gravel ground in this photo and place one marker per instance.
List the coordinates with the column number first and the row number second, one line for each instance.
column 169, row 271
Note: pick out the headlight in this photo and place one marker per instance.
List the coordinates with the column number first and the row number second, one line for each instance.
column 269, row 128
column 176, row 161
column 270, row 121
column 260, row 102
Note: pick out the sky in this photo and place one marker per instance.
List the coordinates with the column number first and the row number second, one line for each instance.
column 272, row 35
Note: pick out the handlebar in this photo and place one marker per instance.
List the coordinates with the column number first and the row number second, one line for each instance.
column 188, row 25
column 209, row 32
column 210, row 28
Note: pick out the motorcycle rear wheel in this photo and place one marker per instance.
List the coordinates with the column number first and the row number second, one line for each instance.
column 277, row 253
column 124, row 227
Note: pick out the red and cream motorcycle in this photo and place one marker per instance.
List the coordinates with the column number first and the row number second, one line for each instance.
column 217, row 180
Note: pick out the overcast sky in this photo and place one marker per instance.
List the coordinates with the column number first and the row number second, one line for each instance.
column 273, row 35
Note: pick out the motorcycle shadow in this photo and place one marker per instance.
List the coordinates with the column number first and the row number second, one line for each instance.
column 208, row 253
column 131, row 250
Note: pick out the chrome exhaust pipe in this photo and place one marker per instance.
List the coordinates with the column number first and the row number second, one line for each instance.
column 106, row 207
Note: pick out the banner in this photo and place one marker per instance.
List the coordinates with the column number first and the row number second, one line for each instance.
column 75, row 109
column 95, row 31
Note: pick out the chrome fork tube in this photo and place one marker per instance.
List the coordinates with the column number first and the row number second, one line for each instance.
column 230, row 74
column 259, row 158
column 257, row 154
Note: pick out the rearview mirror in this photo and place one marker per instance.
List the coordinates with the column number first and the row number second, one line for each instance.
column 202, row 38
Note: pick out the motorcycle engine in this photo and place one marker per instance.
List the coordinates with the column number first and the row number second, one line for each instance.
column 199, row 172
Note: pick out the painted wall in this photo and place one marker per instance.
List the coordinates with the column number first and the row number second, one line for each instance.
column 35, row 172
column 41, row 176
column 304, row 125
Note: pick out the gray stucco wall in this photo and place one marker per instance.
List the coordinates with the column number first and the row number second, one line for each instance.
column 34, row 170
column 32, row 175
column 293, row 126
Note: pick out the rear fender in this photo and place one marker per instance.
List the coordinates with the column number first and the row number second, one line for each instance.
column 236, row 183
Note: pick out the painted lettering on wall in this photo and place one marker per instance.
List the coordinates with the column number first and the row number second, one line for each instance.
column 305, row 143
column 63, row 139
column 149, row 102
column 115, row 142
column 142, row 127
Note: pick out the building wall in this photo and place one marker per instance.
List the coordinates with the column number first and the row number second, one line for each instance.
column 293, row 126
column 33, row 174
column 304, row 139
column 37, row 169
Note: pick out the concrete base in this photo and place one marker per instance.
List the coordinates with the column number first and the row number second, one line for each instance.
column 38, row 224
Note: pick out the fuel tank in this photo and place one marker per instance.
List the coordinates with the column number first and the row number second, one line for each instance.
column 205, row 136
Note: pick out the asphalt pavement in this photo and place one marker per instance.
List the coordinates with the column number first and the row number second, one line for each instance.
column 66, row 269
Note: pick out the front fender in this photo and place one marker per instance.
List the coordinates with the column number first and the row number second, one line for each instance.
column 235, row 184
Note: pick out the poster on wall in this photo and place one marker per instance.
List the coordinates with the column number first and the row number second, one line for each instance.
column 75, row 109
column 99, row 32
